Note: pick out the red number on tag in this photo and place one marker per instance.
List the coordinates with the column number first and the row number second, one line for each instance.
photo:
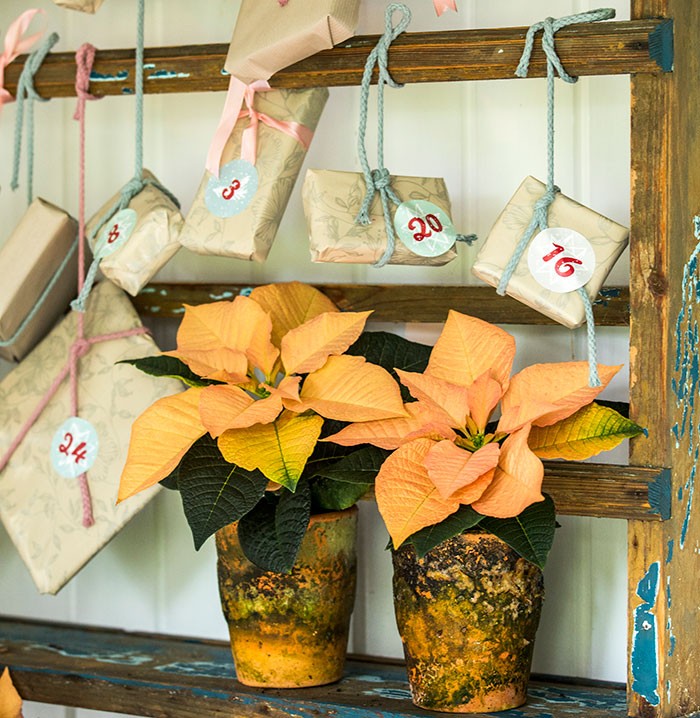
column 113, row 236
column 430, row 221
column 564, row 266
column 79, row 453
column 230, row 191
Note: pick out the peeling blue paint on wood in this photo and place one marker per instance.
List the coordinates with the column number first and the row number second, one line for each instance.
column 669, row 551
column 660, row 495
column 644, row 659
column 604, row 295
column 167, row 75
column 222, row 296
column 117, row 77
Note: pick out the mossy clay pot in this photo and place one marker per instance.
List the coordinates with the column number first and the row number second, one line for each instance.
column 291, row 630
column 467, row 613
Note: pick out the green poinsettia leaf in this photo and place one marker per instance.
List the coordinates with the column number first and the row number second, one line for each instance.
column 214, row 492
column 329, row 495
column 531, row 533
column 170, row 367
column 390, row 352
column 325, row 454
column 272, row 532
column 171, row 480
column 359, row 467
column 428, row 538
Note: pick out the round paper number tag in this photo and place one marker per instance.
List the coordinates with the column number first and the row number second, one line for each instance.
column 116, row 232
column 233, row 190
column 74, row 447
column 561, row 259
column 424, row 228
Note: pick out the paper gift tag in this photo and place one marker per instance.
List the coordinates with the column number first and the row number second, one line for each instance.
column 578, row 250
column 268, row 37
column 238, row 213
column 41, row 247
column 40, row 502
column 332, row 201
column 138, row 242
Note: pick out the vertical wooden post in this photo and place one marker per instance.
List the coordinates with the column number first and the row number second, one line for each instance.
column 664, row 558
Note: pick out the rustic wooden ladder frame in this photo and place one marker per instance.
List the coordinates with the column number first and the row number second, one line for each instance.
column 654, row 493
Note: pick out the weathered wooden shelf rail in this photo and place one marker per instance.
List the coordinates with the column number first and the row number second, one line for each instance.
column 392, row 302
column 610, row 48
column 155, row 675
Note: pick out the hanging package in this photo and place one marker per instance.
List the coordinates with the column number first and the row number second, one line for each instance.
column 39, row 257
column 249, row 179
column 91, row 6
column 270, row 35
column 65, row 419
column 545, row 249
column 357, row 218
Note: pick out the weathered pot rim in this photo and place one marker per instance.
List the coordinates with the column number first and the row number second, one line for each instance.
column 327, row 516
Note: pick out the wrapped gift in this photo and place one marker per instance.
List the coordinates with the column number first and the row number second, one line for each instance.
column 270, row 35
column 558, row 257
column 91, row 6
column 332, row 202
column 40, row 262
column 238, row 213
column 136, row 242
column 41, row 510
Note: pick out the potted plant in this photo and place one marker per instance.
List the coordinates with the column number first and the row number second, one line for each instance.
column 269, row 375
column 461, row 497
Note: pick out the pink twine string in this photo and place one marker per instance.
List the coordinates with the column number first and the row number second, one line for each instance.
column 81, row 345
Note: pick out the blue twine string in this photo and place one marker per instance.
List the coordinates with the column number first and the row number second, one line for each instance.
column 540, row 215
column 379, row 180
column 26, row 92
column 135, row 185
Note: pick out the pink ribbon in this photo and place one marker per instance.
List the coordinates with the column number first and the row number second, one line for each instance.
column 16, row 45
column 442, row 5
column 238, row 94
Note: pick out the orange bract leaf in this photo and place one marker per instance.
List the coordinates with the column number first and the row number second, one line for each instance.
column 307, row 347
column 227, row 365
column 280, row 449
column 160, row 437
column 447, row 400
column 348, row 388
column 290, row 305
column 392, row 433
column 229, row 407
column 407, row 499
column 483, row 396
column 467, row 347
column 474, row 491
column 543, row 394
column 10, row 700
column 451, row 468
column 517, row 482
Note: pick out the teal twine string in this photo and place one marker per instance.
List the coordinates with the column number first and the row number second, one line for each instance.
column 27, row 93
column 379, row 180
column 540, row 215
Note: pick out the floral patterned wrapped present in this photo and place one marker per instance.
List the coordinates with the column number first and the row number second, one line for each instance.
column 237, row 214
column 40, row 265
column 332, row 202
column 270, row 35
column 136, row 242
column 41, row 509
column 556, row 261
column 91, row 6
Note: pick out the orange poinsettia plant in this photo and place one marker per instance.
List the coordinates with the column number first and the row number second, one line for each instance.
column 452, row 468
column 267, row 374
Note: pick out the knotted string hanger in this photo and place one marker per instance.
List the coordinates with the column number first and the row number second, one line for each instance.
column 540, row 215
column 134, row 186
column 26, row 97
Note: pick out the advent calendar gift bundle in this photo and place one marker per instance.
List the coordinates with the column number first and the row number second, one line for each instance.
column 91, row 6
column 357, row 218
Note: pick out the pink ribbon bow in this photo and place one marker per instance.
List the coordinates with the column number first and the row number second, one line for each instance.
column 16, row 45
column 442, row 5
column 238, row 94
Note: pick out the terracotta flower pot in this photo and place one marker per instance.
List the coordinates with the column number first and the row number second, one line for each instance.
column 467, row 613
column 291, row 630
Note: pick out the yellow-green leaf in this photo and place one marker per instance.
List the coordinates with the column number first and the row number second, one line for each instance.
column 280, row 449
column 589, row 431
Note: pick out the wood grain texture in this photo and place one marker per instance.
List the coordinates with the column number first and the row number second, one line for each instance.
column 154, row 675
column 485, row 54
column 664, row 641
column 391, row 303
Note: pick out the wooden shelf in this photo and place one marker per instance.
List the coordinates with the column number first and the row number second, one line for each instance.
column 392, row 303
column 610, row 48
column 156, row 675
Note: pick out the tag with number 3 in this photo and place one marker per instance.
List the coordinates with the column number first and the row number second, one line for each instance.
column 74, row 448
